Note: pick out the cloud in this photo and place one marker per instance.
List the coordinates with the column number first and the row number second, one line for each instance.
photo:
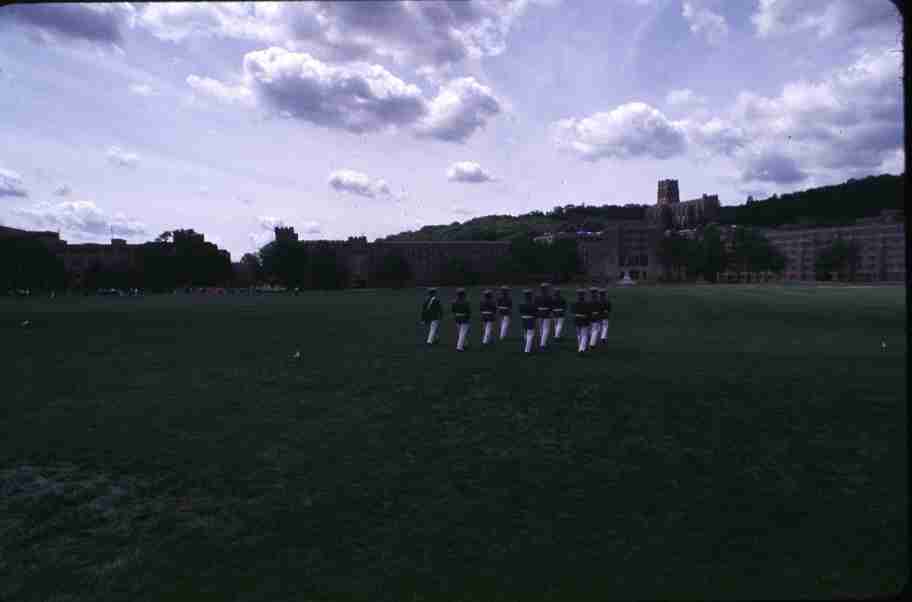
column 468, row 171
column 92, row 22
column 771, row 166
column 121, row 158
column 628, row 131
column 431, row 33
column 63, row 191
column 246, row 201
column 357, row 97
column 142, row 90
column 850, row 119
column 462, row 107
column 80, row 220
column 11, row 184
column 705, row 22
column 684, row 98
column 354, row 182
column 224, row 93
column 827, row 19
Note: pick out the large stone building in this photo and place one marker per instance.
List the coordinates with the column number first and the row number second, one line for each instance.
column 623, row 247
column 670, row 212
column 881, row 243
column 426, row 259
column 79, row 259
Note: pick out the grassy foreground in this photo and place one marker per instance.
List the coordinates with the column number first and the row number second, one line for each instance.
column 729, row 441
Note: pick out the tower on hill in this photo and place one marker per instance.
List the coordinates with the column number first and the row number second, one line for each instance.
column 285, row 234
column 668, row 193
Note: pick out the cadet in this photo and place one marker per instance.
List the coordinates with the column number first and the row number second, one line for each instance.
column 580, row 311
column 431, row 312
column 527, row 314
column 504, row 308
column 543, row 309
column 463, row 313
column 488, row 314
column 595, row 317
column 559, row 309
column 606, row 313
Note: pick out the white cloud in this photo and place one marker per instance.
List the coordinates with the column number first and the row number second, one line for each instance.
column 224, row 93
column 849, row 120
column 11, row 184
column 462, row 107
column 142, row 90
column 468, row 171
column 357, row 97
column 63, row 191
column 80, row 220
column 705, row 22
column 831, row 18
column 630, row 130
column 121, row 158
column 432, row 33
column 684, row 98
column 354, row 182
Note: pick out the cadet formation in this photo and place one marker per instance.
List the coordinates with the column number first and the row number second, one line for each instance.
column 541, row 317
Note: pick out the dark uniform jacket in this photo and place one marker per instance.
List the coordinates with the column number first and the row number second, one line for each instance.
column 527, row 313
column 431, row 310
column 595, row 310
column 488, row 310
column 581, row 313
column 543, row 306
column 461, row 311
column 504, row 305
column 606, row 309
column 559, row 307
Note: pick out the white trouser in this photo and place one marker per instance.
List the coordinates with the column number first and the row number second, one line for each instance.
column 529, row 336
column 504, row 326
column 582, row 337
column 605, row 329
column 545, row 330
column 463, row 333
column 558, row 327
column 594, row 333
column 432, row 331
column 488, row 327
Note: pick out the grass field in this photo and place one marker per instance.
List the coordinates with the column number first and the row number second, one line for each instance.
column 729, row 441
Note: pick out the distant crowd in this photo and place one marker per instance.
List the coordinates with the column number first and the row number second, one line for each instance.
column 538, row 315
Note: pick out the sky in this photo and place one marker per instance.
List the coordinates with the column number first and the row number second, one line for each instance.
column 371, row 118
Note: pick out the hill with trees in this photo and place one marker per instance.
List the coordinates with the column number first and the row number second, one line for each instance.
column 825, row 206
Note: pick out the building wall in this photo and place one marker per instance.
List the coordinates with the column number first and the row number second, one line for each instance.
column 882, row 246
column 622, row 248
column 428, row 259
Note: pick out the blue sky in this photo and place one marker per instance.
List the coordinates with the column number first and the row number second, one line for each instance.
column 370, row 118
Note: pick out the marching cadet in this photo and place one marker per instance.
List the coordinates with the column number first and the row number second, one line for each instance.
column 543, row 309
column 606, row 313
column 559, row 309
column 504, row 308
column 580, row 311
column 463, row 313
column 595, row 317
column 431, row 313
column 488, row 312
column 527, row 314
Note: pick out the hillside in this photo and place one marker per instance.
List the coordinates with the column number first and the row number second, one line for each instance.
column 825, row 206
column 828, row 205
column 568, row 218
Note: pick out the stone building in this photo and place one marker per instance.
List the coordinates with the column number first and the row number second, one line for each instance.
column 670, row 212
column 621, row 248
column 882, row 242
column 426, row 259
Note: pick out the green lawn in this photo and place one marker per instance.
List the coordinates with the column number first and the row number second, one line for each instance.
column 730, row 441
